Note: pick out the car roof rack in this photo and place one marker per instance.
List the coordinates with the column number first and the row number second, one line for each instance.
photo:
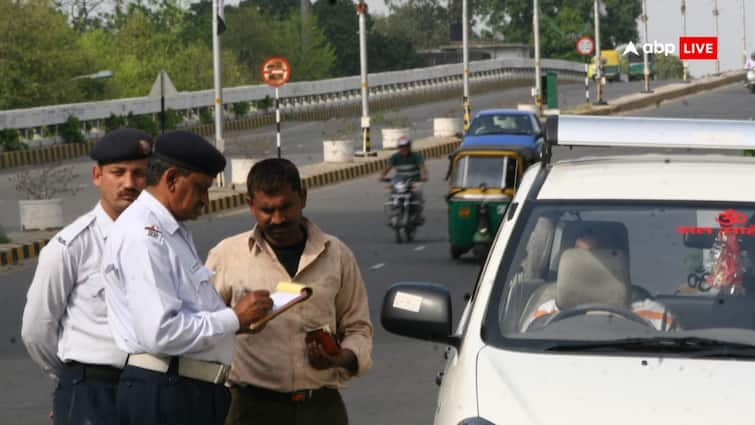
column 641, row 132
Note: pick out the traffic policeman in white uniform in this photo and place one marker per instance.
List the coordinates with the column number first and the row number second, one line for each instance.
column 65, row 325
column 163, row 309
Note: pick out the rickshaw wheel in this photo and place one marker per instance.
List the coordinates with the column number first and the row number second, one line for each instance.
column 409, row 234
column 398, row 236
column 456, row 252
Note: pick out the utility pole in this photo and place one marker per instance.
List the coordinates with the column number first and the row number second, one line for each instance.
column 536, row 28
column 684, row 33
column 465, row 42
column 217, row 8
column 715, row 17
column 646, row 68
column 598, row 61
column 744, row 34
column 362, row 12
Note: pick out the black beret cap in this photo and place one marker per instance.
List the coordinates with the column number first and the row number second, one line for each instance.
column 190, row 151
column 122, row 144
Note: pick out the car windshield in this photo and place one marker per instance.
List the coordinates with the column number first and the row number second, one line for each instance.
column 488, row 171
column 616, row 272
column 501, row 124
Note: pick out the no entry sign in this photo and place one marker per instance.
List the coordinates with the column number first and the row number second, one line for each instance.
column 585, row 46
column 275, row 71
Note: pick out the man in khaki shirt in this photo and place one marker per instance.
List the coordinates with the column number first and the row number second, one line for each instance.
column 277, row 376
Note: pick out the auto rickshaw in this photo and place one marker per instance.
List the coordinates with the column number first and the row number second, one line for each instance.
column 484, row 173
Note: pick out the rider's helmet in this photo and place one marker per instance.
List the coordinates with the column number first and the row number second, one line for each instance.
column 404, row 141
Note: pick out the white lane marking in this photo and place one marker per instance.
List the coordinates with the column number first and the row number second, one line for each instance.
column 377, row 266
column 419, row 248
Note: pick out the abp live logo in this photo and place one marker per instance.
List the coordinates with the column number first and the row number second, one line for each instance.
column 698, row 48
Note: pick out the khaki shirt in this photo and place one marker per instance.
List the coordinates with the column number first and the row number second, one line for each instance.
column 275, row 358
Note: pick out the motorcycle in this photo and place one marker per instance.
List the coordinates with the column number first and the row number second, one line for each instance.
column 402, row 209
column 751, row 80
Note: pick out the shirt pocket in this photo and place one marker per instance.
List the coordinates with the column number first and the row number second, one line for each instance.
column 320, row 310
column 92, row 295
column 200, row 292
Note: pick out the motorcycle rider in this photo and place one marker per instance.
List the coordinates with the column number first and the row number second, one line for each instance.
column 409, row 164
column 750, row 63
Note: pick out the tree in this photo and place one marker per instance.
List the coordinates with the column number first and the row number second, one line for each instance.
column 386, row 50
column 297, row 38
column 138, row 45
column 38, row 55
column 280, row 9
column 513, row 19
column 424, row 22
column 668, row 67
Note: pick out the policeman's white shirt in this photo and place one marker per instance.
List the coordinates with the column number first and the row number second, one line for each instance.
column 65, row 317
column 160, row 299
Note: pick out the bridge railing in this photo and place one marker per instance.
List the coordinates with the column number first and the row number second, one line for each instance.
column 294, row 96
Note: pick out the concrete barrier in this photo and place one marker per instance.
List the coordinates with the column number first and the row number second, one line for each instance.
column 338, row 151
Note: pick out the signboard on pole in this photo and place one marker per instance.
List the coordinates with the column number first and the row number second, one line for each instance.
column 275, row 71
column 585, row 46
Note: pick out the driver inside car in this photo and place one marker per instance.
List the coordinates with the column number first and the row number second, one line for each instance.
column 590, row 275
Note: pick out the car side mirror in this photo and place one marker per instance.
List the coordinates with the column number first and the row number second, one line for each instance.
column 419, row 310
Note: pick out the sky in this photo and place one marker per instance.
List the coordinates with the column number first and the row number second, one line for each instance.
column 665, row 26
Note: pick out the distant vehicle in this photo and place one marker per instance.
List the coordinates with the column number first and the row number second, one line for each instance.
column 610, row 67
column 635, row 67
column 484, row 173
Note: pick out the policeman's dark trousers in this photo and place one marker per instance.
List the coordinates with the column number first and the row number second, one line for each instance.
column 85, row 398
column 153, row 398
column 255, row 406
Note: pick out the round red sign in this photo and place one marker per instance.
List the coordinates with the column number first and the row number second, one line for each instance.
column 275, row 71
column 585, row 46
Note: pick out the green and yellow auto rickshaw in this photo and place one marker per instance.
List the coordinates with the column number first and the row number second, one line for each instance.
column 483, row 175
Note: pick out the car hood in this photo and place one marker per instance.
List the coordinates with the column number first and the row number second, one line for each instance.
column 527, row 388
column 525, row 140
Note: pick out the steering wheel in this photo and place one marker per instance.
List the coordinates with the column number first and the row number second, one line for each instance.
column 588, row 308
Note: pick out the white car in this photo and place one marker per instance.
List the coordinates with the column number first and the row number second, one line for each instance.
column 619, row 290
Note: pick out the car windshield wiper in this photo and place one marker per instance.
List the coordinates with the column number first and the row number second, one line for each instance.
column 703, row 347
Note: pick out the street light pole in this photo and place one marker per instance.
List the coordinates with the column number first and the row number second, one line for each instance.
column 219, row 142
column 715, row 17
column 536, row 30
column 362, row 12
column 465, row 42
column 598, row 61
column 684, row 32
column 744, row 34
column 646, row 68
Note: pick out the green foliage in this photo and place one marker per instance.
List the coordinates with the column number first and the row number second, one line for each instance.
column 3, row 237
column 172, row 119
column 143, row 122
column 297, row 38
column 563, row 21
column 114, row 121
column 10, row 140
column 70, row 131
column 205, row 116
column 240, row 109
column 264, row 104
column 38, row 55
column 668, row 67
column 275, row 8
column 424, row 23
